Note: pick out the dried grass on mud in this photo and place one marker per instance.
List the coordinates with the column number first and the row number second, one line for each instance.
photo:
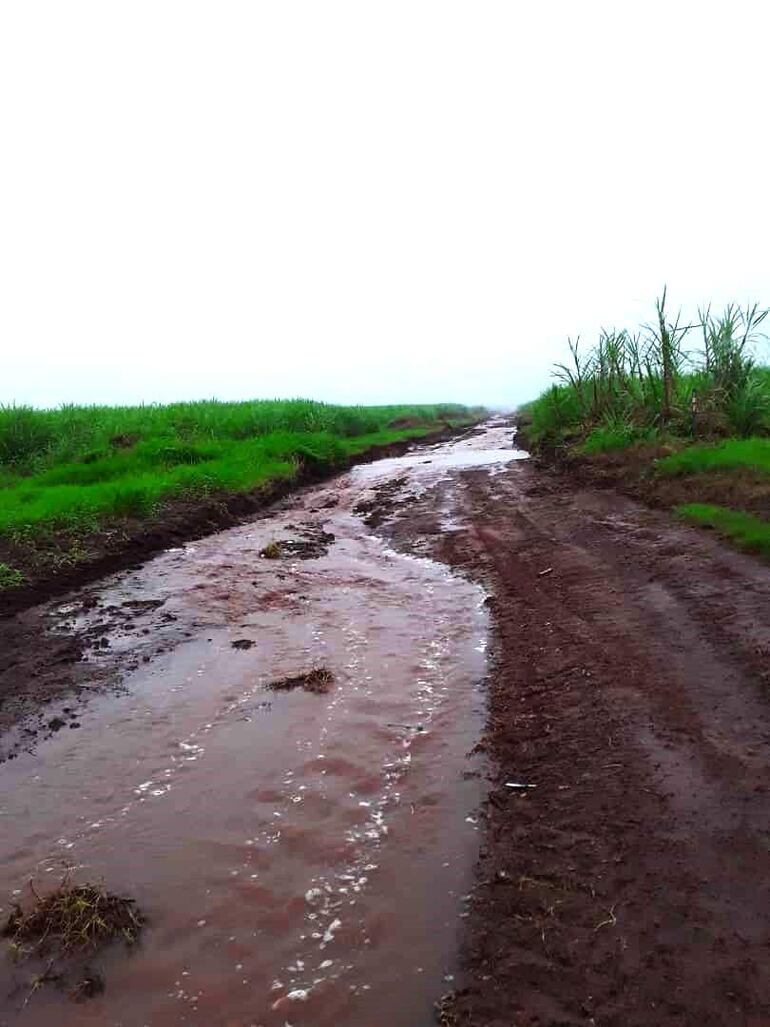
column 72, row 918
column 317, row 681
column 56, row 934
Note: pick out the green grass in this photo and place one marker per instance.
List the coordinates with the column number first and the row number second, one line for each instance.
column 608, row 437
column 32, row 439
column 74, row 468
column 746, row 530
column 10, row 577
column 695, row 385
column 730, row 455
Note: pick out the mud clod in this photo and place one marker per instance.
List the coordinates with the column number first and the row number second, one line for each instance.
column 242, row 643
column 385, row 500
column 318, row 681
column 312, row 543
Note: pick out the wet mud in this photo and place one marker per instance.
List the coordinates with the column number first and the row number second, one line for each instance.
column 627, row 883
column 275, row 757
column 318, row 682
column 534, row 793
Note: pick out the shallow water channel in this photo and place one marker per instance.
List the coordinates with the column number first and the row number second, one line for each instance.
column 302, row 859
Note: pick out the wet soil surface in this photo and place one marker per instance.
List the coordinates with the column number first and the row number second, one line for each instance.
column 628, row 884
column 550, row 682
column 273, row 756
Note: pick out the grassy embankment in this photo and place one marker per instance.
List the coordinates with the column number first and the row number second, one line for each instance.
column 680, row 422
column 70, row 475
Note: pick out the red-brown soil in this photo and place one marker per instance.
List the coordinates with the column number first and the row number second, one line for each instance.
column 630, row 684
column 631, row 680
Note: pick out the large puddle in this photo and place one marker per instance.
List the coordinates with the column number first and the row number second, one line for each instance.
column 303, row 859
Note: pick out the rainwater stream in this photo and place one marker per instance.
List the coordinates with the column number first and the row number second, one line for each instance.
column 303, row 859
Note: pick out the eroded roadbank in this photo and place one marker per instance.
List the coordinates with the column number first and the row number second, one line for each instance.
column 306, row 858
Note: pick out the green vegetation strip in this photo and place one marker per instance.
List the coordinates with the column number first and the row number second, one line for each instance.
column 74, row 468
column 730, row 455
column 749, row 532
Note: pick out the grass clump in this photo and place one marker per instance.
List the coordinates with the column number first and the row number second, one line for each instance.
column 72, row 919
column 747, row 531
column 730, row 455
column 10, row 577
column 611, row 436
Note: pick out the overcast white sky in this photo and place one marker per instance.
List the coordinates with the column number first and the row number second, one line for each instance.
column 362, row 201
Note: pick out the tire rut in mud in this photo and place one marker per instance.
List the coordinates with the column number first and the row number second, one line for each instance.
column 628, row 887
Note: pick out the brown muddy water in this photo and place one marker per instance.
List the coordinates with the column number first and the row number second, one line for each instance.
column 303, row 859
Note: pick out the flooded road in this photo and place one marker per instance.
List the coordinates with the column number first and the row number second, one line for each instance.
column 302, row 858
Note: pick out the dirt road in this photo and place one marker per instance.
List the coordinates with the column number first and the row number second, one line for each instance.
column 631, row 684
column 600, row 858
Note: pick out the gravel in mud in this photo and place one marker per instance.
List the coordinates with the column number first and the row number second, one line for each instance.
column 627, row 884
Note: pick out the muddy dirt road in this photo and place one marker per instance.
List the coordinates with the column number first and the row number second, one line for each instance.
column 351, row 856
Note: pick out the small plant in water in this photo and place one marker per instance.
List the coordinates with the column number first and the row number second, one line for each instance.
column 71, row 919
column 272, row 551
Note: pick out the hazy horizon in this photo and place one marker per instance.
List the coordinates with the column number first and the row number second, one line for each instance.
column 364, row 204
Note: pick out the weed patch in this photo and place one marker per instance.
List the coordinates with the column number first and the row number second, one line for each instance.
column 272, row 551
